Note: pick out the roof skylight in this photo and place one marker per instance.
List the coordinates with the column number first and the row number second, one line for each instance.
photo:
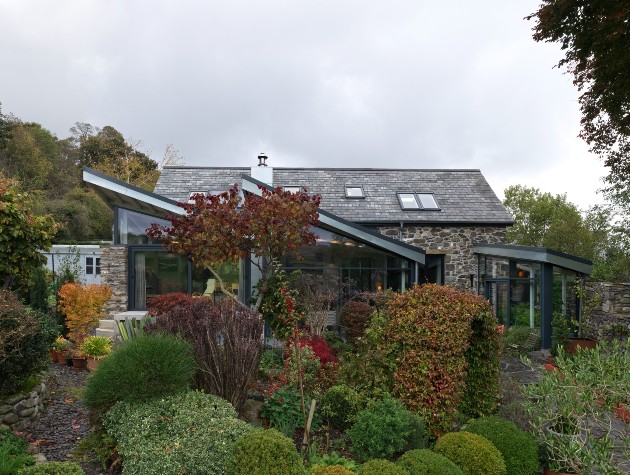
column 424, row 201
column 408, row 201
column 427, row 200
column 354, row 192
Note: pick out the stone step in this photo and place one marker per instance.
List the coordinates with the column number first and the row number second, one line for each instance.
column 107, row 323
column 106, row 332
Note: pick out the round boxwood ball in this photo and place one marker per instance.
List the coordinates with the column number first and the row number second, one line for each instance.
column 265, row 452
column 427, row 462
column 381, row 467
column 329, row 470
column 472, row 453
column 517, row 447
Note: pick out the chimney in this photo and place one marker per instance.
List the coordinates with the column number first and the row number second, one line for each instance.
column 262, row 172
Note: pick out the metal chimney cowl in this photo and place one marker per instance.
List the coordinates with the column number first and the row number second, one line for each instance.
column 262, row 172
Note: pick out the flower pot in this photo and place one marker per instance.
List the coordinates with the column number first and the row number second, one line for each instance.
column 53, row 356
column 61, row 358
column 92, row 364
column 79, row 363
column 553, row 472
column 574, row 343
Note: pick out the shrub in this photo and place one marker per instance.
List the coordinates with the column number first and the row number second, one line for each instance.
column 96, row 346
column 82, row 304
column 25, row 338
column 38, row 291
column 265, row 452
column 329, row 470
column 472, row 453
column 321, row 348
column 190, row 432
column 381, row 467
column 312, row 374
column 283, row 408
column 428, row 336
column 334, row 459
column 340, row 404
column 271, row 359
column 384, row 429
column 162, row 304
column 13, row 455
column 426, row 462
column 226, row 342
column 147, row 367
column 517, row 447
column 355, row 318
column 53, row 468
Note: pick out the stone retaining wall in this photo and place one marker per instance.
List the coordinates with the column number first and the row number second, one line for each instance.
column 610, row 318
column 17, row 411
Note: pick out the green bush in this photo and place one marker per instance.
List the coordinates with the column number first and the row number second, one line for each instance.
column 271, row 359
column 25, row 338
column 265, row 452
column 190, row 432
column 329, row 470
column 283, row 409
column 384, row 429
column 517, row 447
column 152, row 366
column 53, row 468
column 381, row 467
column 426, row 462
column 13, row 455
column 334, row 459
column 340, row 405
column 472, row 453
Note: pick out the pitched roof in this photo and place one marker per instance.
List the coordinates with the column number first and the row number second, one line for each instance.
column 464, row 196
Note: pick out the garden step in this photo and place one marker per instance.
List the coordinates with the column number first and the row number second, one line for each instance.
column 107, row 324
column 109, row 333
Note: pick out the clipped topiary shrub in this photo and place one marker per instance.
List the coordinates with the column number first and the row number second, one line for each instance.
column 265, row 452
column 25, row 338
column 429, row 334
column 340, row 404
column 381, row 467
column 427, row 462
column 150, row 366
column 472, row 453
column 517, row 447
column 53, row 468
column 329, row 470
column 190, row 432
column 384, row 429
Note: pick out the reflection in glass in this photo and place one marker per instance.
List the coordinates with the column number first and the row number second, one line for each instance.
column 157, row 273
column 132, row 227
column 205, row 282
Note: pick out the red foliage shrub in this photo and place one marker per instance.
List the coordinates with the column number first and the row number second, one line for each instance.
column 162, row 304
column 429, row 331
column 321, row 347
column 355, row 317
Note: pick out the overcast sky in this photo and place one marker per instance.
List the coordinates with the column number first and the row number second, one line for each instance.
column 313, row 83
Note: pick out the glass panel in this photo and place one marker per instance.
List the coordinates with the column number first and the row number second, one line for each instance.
column 564, row 296
column 408, row 201
column 98, row 265
column 497, row 294
column 157, row 273
column 427, row 200
column 132, row 227
column 89, row 266
column 525, row 270
column 433, row 269
column 292, row 189
column 525, row 304
column 354, row 192
column 206, row 283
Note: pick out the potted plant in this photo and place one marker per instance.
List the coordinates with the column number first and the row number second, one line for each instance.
column 96, row 348
column 570, row 410
column 62, row 349
column 79, row 360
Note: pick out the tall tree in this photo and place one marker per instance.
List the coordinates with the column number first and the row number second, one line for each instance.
column 595, row 35
column 22, row 235
column 223, row 228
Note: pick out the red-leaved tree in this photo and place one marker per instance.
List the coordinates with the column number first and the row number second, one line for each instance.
column 223, row 228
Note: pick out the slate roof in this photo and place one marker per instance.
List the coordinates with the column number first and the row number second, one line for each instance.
column 464, row 196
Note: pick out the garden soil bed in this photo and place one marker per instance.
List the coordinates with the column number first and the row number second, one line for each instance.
column 64, row 422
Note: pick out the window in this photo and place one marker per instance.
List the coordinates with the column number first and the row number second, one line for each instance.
column 292, row 189
column 354, row 192
column 427, row 200
column 408, row 201
column 92, row 266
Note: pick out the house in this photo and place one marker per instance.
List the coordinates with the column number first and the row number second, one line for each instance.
column 84, row 258
column 381, row 228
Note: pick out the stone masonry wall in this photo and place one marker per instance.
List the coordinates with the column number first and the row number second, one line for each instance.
column 18, row 410
column 454, row 242
column 611, row 317
column 114, row 274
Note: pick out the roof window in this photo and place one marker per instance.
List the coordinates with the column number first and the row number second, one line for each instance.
column 412, row 201
column 292, row 189
column 354, row 192
column 408, row 201
column 427, row 200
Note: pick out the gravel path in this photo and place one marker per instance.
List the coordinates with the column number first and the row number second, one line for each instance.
column 65, row 419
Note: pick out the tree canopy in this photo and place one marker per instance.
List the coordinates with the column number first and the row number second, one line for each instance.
column 595, row 35
column 22, row 235
column 226, row 227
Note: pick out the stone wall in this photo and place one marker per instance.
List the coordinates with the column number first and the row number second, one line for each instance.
column 454, row 242
column 114, row 273
column 610, row 317
column 17, row 411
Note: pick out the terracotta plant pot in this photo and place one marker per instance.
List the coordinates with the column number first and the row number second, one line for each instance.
column 79, row 363
column 553, row 472
column 53, row 356
column 61, row 359
column 92, row 364
column 575, row 343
